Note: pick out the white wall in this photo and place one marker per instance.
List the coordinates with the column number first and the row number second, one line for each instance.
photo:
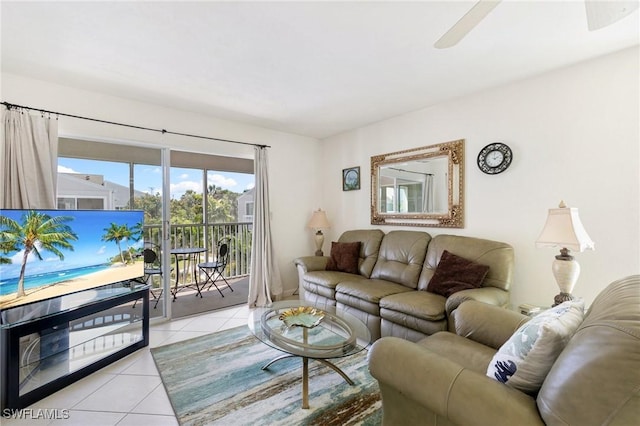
column 575, row 136
column 293, row 166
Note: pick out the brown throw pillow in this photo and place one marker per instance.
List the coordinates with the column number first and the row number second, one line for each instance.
column 455, row 273
column 344, row 257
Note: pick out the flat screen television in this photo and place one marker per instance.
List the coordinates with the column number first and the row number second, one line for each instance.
column 48, row 253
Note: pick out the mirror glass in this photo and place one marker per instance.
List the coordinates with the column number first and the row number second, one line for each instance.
column 419, row 187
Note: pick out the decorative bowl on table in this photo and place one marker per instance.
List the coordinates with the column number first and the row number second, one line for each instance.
column 302, row 316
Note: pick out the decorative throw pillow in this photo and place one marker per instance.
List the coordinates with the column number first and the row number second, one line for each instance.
column 526, row 358
column 344, row 257
column 455, row 273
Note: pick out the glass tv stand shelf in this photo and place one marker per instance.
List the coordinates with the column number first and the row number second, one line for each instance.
column 49, row 344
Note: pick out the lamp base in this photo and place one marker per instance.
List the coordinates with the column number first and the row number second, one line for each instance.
column 561, row 297
column 566, row 272
column 319, row 237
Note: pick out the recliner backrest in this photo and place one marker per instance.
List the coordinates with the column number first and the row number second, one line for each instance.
column 596, row 378
column 401, row 257
column 497, row 255
column 370, row 240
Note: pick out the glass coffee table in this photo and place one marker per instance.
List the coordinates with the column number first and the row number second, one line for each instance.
column 298, row 329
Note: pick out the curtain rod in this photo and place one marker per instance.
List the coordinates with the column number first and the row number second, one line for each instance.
column 410, row 171
column 163, row 131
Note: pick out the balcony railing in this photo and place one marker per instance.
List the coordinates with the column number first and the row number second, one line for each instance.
column 207, row 237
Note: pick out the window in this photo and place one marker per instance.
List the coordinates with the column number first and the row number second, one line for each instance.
column 71, row 203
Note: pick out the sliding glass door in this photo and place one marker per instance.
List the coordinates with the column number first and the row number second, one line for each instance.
column 96, row 176
column 190, row 200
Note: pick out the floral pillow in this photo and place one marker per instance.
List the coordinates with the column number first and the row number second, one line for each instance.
column 526, row 358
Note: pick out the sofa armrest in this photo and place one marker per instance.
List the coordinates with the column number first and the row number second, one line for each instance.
column 311, row 263
column 487, row 324
column 490, row 295
column 308, row 264
column 445, row 388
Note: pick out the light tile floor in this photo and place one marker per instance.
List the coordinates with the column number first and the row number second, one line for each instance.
column 128, row 392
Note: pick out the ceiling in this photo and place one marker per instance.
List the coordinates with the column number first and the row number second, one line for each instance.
column 309, row 68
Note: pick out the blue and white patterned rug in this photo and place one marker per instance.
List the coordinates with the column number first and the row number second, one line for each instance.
column 217, row 379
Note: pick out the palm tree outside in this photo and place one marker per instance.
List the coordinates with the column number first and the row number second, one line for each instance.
column 38, row 232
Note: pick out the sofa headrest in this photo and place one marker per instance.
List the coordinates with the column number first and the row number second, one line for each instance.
column 370, row 239
column 497, row 255
column 596, row 379
column 401, row 257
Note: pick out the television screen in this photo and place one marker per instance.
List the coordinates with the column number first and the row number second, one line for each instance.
column 48, row 253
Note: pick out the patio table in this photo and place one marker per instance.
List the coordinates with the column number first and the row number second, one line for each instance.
column 189, row 255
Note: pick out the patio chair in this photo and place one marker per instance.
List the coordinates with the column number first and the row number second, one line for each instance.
column 152, row 267
column 214, row 271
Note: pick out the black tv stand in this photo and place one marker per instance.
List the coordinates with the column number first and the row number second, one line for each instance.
column 49, row 344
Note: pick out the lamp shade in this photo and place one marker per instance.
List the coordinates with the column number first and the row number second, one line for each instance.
column 319, row 220
column 564, row 229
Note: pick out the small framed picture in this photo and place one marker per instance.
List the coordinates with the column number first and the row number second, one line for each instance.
column 351, row 178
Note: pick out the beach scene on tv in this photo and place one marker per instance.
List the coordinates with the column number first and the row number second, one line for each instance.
column 48, row 253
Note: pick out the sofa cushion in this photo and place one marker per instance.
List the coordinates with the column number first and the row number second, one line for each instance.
column 370, row 239
column 423, row 305
column 369, row 290
column 344, row 257
column 330, row 279
column 455, row 273
column 497, row 255
column 401, row 257
column 525, row 359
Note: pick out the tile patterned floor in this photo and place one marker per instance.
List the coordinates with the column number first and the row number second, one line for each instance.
column 130, row 392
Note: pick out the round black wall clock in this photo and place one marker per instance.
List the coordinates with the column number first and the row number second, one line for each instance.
column 495, row 158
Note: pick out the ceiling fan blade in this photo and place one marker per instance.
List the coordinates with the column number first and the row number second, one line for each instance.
column 603, row 13
column 466, row 23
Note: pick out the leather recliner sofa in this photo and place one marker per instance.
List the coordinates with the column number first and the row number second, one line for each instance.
column 389, row 292
column 441, row 380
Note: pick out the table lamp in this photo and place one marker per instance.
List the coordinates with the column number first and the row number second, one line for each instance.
column 318, row 222
column 564, row 229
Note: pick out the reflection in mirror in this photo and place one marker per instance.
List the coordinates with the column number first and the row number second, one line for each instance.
column 420, row 187
column 414, row 186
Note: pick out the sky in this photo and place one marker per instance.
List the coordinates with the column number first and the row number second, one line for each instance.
column 149, row 178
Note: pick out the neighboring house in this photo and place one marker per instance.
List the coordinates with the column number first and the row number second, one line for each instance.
column 121, row 194
column 83, row 192
column 78, row 191
column 245, row 206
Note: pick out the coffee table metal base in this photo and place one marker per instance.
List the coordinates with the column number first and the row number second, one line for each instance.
column 305, row 373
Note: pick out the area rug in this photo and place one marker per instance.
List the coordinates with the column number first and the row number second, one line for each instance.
column 217, row 379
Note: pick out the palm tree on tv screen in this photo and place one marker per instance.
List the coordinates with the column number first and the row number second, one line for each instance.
column 117, row 233
column 6, row 247
column 38, row 232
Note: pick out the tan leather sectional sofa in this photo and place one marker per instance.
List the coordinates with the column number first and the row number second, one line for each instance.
column 389, row 291
column 442, row 380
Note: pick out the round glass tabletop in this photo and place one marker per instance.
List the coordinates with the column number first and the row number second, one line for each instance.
column 298, row 328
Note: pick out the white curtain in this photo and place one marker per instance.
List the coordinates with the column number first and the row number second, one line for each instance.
column 427, row 194
column 29, row 161
column 265, row 285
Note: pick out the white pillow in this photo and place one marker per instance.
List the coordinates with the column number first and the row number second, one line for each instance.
column 526, row 358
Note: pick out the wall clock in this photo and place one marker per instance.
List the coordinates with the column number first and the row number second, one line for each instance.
column 495, row 158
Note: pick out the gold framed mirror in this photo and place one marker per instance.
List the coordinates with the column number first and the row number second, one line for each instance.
column 419, row 187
